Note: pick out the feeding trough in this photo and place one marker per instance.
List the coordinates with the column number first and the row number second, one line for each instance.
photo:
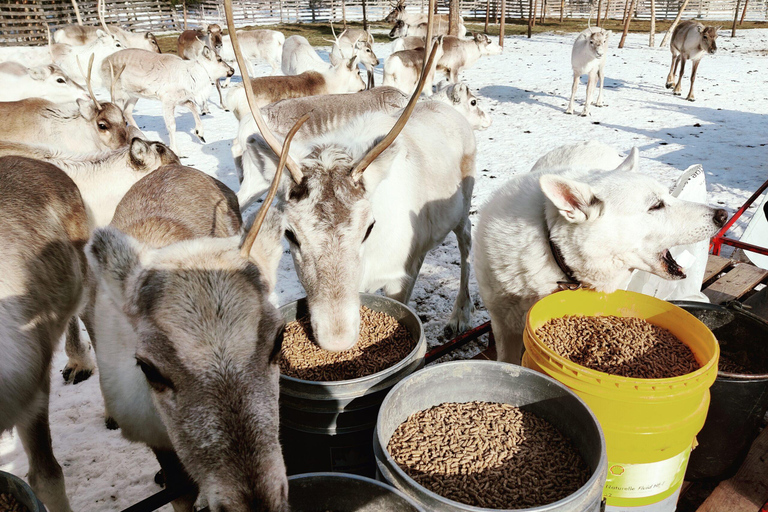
column 339, row 492
column 20, row 492
column 328, row 425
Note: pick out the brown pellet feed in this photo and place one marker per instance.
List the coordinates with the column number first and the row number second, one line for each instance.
column 383, row 342
column 624, row 346
column 8, row 503
column 488, row 455
column 728, row 365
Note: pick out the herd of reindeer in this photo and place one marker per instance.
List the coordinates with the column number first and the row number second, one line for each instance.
column 173, row 287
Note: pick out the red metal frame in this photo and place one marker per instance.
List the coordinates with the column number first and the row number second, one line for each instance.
column 719, row 239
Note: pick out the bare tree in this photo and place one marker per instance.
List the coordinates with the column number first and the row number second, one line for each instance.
column 626, row 23
column 502, row 22
column 668, row 35
column 735, row 18
column 652, row 36
column 454, row 15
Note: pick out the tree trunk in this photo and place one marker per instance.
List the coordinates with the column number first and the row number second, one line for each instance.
column 532, row 14
column 735, row 18
column 652, row 36
column 543, row 11
column 562, row 10
column 531, row 17
column 599, row 8
column 626, row 23
column 365, row 18
column 607, row 8
column 77, row 12
column 487, row 9
column 743, row 14
column 454, row 14
column 502, row 21
column 344, row 12
column 671, row 30
column 626, row 10
column 184, row 7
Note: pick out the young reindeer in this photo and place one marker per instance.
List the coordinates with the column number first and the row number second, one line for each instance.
column 43, row 228
column 299, row 56
column 166, row 78
column 690, row 41
column 364, row 206
column 402, row 69
column 353, row 42
column 588, row 57
column 49, row 82
column 190, row 46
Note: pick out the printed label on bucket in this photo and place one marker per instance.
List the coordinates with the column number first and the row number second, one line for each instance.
column 644, row 480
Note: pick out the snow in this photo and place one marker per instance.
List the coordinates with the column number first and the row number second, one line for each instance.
column 526, row 91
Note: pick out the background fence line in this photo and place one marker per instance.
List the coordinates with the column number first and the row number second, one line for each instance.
column 22, row 22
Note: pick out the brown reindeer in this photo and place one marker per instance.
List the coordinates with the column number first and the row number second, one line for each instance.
column 690, row 41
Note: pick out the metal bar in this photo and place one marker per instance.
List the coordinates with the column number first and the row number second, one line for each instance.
column 743, row 245
column 157, row 500
column 719, row 238
column 458, row 342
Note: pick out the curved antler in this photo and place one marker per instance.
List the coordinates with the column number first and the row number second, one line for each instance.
column 88, row 79
column 99, row 6
column 269, row 137
column 115, row 78
column 362, row 165
column 250, row 238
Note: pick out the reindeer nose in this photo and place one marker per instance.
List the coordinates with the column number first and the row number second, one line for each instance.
column 720, row 217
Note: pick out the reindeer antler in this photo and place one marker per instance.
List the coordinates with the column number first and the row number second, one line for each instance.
column 379, row 148
column 269, row 137
column 115, row 78
column 250, row 238
column 99, row 6
column 88, row 79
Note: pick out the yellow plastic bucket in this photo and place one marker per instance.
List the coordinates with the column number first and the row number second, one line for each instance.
column 650, row 424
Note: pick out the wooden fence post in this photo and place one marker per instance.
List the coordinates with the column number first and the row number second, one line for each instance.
column 671, row 30
column 743, row 14
column 735, row 18
column 652, row 36
column 454, row 14
column 531, row 16
column 502, row 22
column 562, row 10
column 607, row 7
column 77, row 12
column 365, row 18
column 487, row 12
column 599, row 8
column 626, row 23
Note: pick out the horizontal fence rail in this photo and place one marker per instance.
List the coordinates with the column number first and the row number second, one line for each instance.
column 23, row 22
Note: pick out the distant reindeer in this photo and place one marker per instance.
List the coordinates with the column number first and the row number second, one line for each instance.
column 49, row 82
column 402, row 69
column 588, row 57
column 191, row 42
column 299, row 56
column 353, row 42
column 43, row 229
column 460, row 54
column 690, row 41
column 413, row 24
column 257, row 45
column 166, row 78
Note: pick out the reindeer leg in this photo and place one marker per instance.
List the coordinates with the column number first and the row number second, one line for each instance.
column 573, row 93
column 221, row 98
column 128, row 111
column 45, row 475
column 679, row 85
column 198, row 122
column 672, row 71
column 176, row 477
column 170, row 125
column 590, row 89
column 601, row 77
column 401, row 290
column 80, row 365
column 693, row 78
column 462, row 308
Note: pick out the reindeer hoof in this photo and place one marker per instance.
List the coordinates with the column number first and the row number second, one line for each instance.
column 569, row 111
column 670, row 85
column 202, row 139
column 691, row 98
column 160, row 478
column 676, row 93
column 584, row 114
column 75, row 376
column 110, row 423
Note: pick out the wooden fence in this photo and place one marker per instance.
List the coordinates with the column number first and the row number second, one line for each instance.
column 22, row 22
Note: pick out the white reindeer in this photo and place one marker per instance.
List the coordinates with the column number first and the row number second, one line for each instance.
column 690, row 41
column 460, row 54
column 257, row 45
column 49, row 82
column 43, row 228
column 353, row 42
column 402, row 69
column 166, row 78
column 588, row 57
column 299, row 56
column 461, row 98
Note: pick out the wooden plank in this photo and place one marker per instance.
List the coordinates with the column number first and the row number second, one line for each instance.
column 715, row 265
column 742, row 279
column 747, row 491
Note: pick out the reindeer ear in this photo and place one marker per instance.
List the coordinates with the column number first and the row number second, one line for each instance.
column 267, row 251
column 717, row 28
column 40, row 72
column 113, row 256
column 101, row 34
column 575, row 200
column 207, row 52
column 458, row 91
column 352, row 64
column 631, row 163
column 87, row 109
column 140, row 152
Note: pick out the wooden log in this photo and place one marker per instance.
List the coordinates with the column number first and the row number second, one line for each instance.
column 454, row 11
column 626, row 24
column 735, row 18
column 744, row 13
column 502, row 22
column 652, row 35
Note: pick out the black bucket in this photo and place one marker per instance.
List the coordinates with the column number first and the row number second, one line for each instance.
column 738, row 402
column 491, row 381
column 19, row 489
column 339, row 492
column 328, row 426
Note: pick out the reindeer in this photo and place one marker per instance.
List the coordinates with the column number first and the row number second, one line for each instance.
column 460, row 54
column 191, row 42
column 690, row 41
column 588, row 57
column 43, row 229
column 353, row 42
column 299, row 56
column 401, row 69
column 79, row 35
column 405, row 29
column 49, row 82
column 413, row 20
column 461, row 98
column 166, row 78
column 343, row 78
column 257, row 45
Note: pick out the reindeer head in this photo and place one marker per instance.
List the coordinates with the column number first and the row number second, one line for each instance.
column 486, row 45
column 107, row 118
column 708, row 39
column 214, row 65
column 462, row 99
column 214, row 37
column 397, row 10
column 399, row 30
column 364, row 52
column 598, row 42
column 151, row 42
column 59, row 87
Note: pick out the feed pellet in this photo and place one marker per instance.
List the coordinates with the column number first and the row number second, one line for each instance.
column 8, row 503
column 488, row 455
column 624, row 346
column 383, row 342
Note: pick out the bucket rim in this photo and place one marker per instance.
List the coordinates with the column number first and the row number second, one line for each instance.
column 359, row 478
column 380, row 447
column 30, row 495
column 591, row 376
column 412, row 355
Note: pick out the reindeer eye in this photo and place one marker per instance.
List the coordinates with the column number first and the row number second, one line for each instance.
column 103, row 126
column 473, row 102
column 368, row 233
column 153, row 376
column 291, row 236
column 61, row 80
column 657, row 206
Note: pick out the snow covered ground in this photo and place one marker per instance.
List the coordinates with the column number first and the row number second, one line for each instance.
column 526, row 91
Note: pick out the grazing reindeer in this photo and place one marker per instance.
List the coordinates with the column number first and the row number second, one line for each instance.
column 402, row 69
column 49, row 82
column 461, row 98
column 588, row 57
column 167, row 78
column 343, row 78
column 43, row 228
column 257, row 45
column 299, row 56
column 690, row 41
